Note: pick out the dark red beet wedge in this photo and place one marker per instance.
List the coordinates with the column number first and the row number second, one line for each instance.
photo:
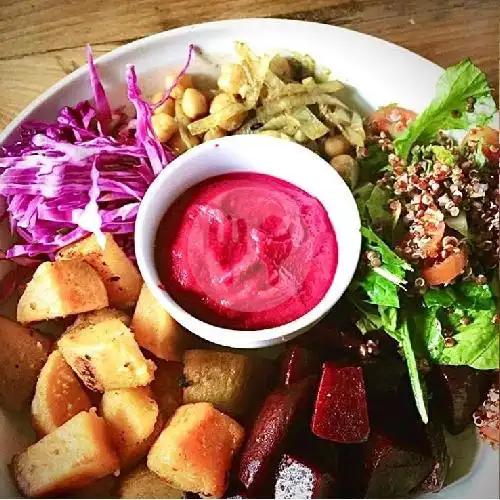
column 297, row 478
column 393, row 466
column 297, row 364
column 332, row 340
column 459, row 390
column 341, row 412
column 280, row 413
column 435, row 480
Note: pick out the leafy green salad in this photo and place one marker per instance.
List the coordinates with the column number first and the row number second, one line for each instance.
column 428, row 200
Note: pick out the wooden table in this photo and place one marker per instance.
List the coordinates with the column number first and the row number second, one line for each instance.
column 42, row 40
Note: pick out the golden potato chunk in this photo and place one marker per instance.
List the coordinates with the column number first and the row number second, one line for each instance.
column 142, row 483
column 131, row 415
column 166, row 386
column 23, row 353
column 105, row 356
column 195, row 450
column 72, row 456
column 95, row 317
column 119, row 274
column 59, row 289
column 156, row 331
column 227, row 380
column 59, row 395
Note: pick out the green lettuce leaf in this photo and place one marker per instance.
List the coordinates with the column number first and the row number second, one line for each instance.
column 470, row 310
column 381, row 284
column 417, row 385
column 440, row 297
column 361, row 196
column 380, row 290
column 477, row 343
column 428, row 334
column 375, row 162
column 448, row 109
column 389, row 318
column 395, row 264
column 475, row 296
column 443, row 155
column 377, row 206
column 370, row 317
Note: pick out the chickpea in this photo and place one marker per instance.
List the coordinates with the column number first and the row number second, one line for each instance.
column 164, row 126
column 232, row 78
column 185, row 82
column 347, row 167
column 176, row 144
column 213, row 133
column 194, row 103
column 168, row 107
column 190, row 139
column 222, row 101
column 282, row 68
column 336, row 145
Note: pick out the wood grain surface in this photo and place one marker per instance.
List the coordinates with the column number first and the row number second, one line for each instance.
column 42, row 40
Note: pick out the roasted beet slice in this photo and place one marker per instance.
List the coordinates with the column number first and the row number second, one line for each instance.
column 330, row 339
column 297, row 364
column 435, row 480
column 297, row 478
column 394, row 465
column 280, row 413
column 341, row 411
column 383, row 379
column 459, row 390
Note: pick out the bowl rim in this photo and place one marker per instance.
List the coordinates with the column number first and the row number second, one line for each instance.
column 233, row 337
column 117, row 52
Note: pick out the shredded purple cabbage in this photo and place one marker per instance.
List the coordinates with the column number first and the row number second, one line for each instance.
column 102, row 107
column 85, row 173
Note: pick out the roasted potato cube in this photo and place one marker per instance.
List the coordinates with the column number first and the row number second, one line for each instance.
column 227, row 380
column 119, row 274
column 59, row 395
column 155, row 330
column 166, row 386
column 142, row 483
column 106, row 356
column 195, row 450
column 23, row 352
column 59, row 289
column 131, row 415
column 95, row 317
column 72, row 456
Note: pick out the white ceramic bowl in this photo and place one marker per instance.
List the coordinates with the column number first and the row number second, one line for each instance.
column 267, row 155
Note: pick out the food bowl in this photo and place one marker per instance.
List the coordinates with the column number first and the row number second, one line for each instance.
column 375, row 72
column 260, row 154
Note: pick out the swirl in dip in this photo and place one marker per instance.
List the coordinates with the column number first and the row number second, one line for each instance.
column 246, row 251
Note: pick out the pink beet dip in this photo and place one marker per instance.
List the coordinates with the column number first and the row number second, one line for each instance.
column 246, row 251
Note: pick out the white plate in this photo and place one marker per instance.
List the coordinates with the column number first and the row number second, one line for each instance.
column 376, row 72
